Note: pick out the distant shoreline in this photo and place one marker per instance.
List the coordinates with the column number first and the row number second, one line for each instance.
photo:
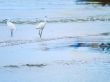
column 102, row 2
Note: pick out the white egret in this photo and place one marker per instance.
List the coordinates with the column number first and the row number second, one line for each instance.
column 41, row 26
column 11, row 26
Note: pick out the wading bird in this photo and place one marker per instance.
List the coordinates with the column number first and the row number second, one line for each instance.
column 41, row 26
column 11, row 26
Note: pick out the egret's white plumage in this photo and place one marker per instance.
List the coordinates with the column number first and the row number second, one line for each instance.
column 11, row 26
column 41, row 26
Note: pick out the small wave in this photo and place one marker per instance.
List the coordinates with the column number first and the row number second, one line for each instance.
column 81, row 39
column 56, row 20
column 18, row 42
column 14, row 42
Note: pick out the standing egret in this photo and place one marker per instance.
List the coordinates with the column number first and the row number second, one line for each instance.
column 41, row 26
column 11, row 26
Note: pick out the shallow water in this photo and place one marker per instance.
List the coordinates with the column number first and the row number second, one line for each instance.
column 27, row 58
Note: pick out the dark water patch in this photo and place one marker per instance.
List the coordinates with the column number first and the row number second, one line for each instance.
column 105, row 46
column 105, row 34
column 107, row 61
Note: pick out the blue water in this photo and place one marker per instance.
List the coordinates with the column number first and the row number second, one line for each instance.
column 66, row 20
column 33, row 9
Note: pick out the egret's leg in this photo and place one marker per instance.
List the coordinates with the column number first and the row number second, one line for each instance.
column 40, row 33
column 11, row 33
